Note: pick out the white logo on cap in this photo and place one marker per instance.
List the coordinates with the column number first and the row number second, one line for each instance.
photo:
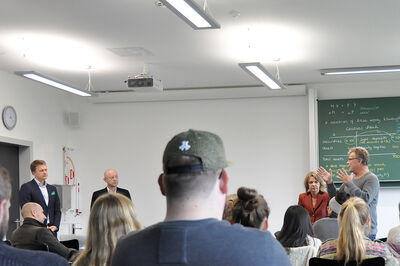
column 185, row 145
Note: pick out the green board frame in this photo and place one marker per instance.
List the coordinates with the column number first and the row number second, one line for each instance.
column 372, row 123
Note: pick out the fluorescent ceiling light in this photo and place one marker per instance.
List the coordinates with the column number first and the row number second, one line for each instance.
column 192, row 14
column 359, row 70
column 50, row 82
column 260, row 73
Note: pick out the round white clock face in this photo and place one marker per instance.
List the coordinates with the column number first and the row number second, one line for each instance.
column 9, row 117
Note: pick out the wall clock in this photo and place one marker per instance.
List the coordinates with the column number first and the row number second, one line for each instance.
column 9, row 117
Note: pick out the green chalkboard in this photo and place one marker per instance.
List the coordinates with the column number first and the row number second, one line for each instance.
column 372, row 123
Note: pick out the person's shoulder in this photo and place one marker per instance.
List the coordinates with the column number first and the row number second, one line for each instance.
column 29, row 183
column 303, row 195
column 327, row 248
column 329, row 244
column 394, row 230
column 52, row 187
column 326, row 197
column 100, row 191
column 371, row 175
column 30, row 258
column 122, row 190
column 313, row 241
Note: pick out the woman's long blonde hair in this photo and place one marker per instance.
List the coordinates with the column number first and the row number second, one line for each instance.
column 353, row 222
column 112, row 216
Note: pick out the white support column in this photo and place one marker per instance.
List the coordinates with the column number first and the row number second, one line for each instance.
column 313, row 128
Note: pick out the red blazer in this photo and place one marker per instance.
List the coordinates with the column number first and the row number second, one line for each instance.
column 320, row 210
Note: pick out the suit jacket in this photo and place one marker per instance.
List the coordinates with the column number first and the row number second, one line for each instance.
column 34, row 235
column 20, row 257
column 30, row 192
column 100, row 192
column 320, row 210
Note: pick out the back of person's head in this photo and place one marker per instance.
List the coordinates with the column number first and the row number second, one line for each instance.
column 335, row 204
column 29, row 208
column 251, row 209
column 35, row 164
column 192, row 162
column 361, row 153
column 112, row 216
column 353, row 223
column 5, row 194
column 393, row 241
column 231, row 200
column 296, row 227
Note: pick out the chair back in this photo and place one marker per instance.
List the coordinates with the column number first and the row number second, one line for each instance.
column 377, row 261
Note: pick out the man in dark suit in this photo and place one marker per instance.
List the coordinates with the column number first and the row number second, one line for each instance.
column 15, row 256
column 111, row 178
column 37, row 190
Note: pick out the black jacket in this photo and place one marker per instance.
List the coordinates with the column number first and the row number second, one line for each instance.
column 100, row 192
column 34, row 235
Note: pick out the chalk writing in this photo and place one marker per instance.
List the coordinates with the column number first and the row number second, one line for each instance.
column 371, row 123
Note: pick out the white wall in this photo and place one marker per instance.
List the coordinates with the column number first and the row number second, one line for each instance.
column 265, row 139
column 40, row 120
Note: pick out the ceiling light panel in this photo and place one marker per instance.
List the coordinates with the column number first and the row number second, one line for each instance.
column 45, row 80
column 192, row 14
column 257, row 71
column 359, row 70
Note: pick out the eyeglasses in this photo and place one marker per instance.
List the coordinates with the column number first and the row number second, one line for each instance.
column 350, row 159
column 220, row 174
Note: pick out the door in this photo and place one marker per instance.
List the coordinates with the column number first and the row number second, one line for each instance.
column 9, row 158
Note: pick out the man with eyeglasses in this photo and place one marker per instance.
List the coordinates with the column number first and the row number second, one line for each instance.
column 360, row 183
column 195, row 185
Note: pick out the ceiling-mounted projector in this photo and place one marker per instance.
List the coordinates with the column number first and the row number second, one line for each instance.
column 145, row 83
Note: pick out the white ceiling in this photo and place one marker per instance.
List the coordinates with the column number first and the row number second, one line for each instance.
column 307, row 35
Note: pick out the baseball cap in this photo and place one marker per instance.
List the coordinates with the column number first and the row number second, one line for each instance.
column 206, row 146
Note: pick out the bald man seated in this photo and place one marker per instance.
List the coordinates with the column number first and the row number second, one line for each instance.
column 35, row 235
column 111, row 179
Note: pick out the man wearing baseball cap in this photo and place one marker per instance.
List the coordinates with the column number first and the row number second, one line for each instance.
column 195, row 185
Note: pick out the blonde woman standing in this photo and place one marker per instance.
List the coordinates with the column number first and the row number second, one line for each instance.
column 353, row 243
column 112, row 216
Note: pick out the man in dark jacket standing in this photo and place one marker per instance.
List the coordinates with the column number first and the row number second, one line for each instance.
column 39, row 191
column 111, row 178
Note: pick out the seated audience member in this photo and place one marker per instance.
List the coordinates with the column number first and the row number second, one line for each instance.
column 296, row 236
column 353, row 243
column 315, row 200
column 15, row 256
column 33, row 234
column 328, row 228
column 195, row 184
column 231, row 200
column 251, row 209
column 112, row 216
column 393, row 240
